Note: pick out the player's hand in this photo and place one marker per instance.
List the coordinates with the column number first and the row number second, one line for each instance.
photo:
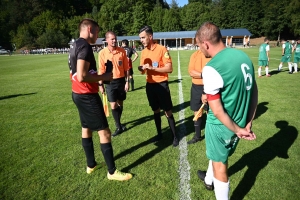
column 249, row 126
column 140, row 68
column 102, row 89
column 107, row 76
column 126, row 86
column 245, row 134
column 204, row 98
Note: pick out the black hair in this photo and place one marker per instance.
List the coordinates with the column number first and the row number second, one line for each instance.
column 147, row 29
column 125, row 42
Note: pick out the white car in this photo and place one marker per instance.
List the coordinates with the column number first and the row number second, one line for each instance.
column 3, row 51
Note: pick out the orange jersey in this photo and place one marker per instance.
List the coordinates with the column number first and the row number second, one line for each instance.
column 197, row 63
column 157, row 56
column 119, row 61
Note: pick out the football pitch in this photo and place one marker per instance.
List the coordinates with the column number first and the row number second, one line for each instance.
column 42, row 156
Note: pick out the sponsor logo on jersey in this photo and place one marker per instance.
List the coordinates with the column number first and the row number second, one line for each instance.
column 167, row 55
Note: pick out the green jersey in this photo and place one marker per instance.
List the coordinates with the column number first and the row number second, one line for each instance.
column 287, row 48
column 231, row 74
column 263, row 49
column 297, row 51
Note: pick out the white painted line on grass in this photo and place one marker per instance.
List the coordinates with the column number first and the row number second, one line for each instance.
column 184, row 166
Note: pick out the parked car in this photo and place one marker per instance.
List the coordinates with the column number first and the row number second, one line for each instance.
column 3, row 51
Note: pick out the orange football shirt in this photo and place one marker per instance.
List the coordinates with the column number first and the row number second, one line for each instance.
column 157, row 56
column 119, row 61
column 197, row 63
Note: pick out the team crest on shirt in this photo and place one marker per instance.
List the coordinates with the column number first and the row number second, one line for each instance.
column 167, row 55
column 120, row 63
column 155, row 64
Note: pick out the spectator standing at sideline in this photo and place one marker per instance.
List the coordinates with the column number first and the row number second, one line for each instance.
column 197, row 62
column 231, row 92
column 114, row 57
column 129, row 52
column 157, row 63
column 83, row 74
column 264, row 57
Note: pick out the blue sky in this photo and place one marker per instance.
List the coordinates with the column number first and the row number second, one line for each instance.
column 180, row 3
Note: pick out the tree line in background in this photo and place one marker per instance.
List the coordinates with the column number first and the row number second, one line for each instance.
column 52, row 23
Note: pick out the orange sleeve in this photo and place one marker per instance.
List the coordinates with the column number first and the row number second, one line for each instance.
column 101, row 62
column 166, row 58
column 192, row 63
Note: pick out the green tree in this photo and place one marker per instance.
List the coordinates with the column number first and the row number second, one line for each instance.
column 293, row 9
column 23, row 37
column 156, row 18
column 171, row 20
column 52, row 38
column 276, row 20
column 139, row 17
column 193, row 15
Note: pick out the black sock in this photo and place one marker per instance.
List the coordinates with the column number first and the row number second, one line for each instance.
column 157, row 121
column 172, row 125
column 88, row 147
column 197, row 125
column 116, row 115
column 132, row 83
column 108, row 155
column 120, row 111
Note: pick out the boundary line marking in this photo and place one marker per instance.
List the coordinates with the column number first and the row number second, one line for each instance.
column 184, row 166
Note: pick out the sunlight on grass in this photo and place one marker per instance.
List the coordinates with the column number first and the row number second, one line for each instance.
column 42, row 157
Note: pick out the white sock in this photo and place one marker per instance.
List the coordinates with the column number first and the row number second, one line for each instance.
column 296, row 67
column 221, row 189
column 259, row 71
column 267, row 70
column 280, row 66
column 209, row 174
column 290, row 67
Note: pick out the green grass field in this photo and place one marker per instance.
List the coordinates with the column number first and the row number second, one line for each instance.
column 42, row 157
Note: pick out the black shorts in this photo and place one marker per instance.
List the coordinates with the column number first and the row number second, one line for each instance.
column 115, row 90
column 159, row 96
column 91, row 111
column 196, row 94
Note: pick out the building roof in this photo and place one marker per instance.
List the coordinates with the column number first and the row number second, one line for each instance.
column 188, row 34
column 235, row 32
column 181, row 34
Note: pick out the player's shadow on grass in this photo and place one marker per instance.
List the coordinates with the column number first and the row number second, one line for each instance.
column 175, row 81
column 274, row 72
column 161, row 145
column 257, row 159
column 138, row 88
column 131, row 124
column 261, row 109
column 15, row 95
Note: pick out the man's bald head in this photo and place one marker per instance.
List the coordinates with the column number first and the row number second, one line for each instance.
column 209, row 32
